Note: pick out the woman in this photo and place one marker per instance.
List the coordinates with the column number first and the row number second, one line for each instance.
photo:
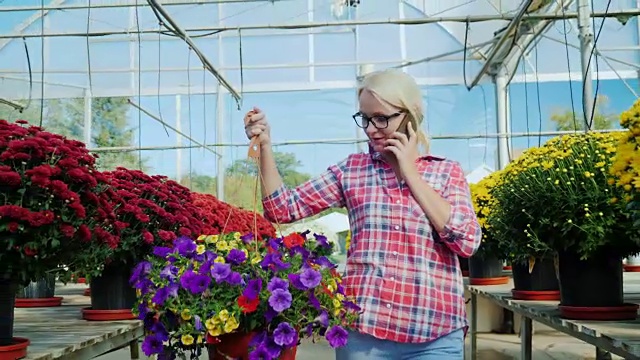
column 410, row 216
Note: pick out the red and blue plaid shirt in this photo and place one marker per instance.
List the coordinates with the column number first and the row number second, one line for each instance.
column 403, row 273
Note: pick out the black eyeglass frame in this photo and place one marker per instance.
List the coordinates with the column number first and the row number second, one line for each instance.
column 366, row 120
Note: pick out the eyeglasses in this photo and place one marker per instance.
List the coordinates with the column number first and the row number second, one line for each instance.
column 379, row 121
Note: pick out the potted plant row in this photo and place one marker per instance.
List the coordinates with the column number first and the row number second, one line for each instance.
column 52, row 194
column 560, row 212
column 486, row 264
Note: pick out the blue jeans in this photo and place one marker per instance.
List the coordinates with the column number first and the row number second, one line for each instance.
column 366, row 347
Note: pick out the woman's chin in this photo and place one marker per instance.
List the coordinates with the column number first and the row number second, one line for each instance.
column 377, row 147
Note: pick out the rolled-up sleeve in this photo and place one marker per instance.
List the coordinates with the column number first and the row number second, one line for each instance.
column 462, row 233
column 325, row 191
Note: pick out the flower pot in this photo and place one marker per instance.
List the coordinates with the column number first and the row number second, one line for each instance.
column 539, row 284
column 11, row 348
column 592, row 289
column 633, row 264
column 464, row 265
column 112, row 298
column 486, row 271
column 236, row 346
column 39, row 294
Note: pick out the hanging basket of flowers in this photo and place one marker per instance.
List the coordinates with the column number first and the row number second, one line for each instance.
column 239, row 295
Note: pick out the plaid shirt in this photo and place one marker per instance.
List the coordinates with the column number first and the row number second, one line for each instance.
column 404, row 275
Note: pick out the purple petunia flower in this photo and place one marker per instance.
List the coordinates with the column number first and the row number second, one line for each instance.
column 280, row 300
column 322, row 319
column 171, row 290
column 294, row 279
column 139, row 272
column 322, row 240
column 310, row 278
column 198, row 323
column 152, row 345
column 272, row 348
column 234, row 279
column 220, row 271
column 185, row 246
column 274, row 260
column 251, row 292
column 277, row 283
column 324, row 262
column 260, row 353
column 169, row 272
column 236, row 256
column 337, row 336
column 247, row 238
column 285, row 335
column 270, row 314
column 313, row 300
column 162, row 251
column 195, row 283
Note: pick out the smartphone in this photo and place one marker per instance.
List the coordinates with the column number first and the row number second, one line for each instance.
column 404, row 126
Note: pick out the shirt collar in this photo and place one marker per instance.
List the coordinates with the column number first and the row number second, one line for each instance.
column 375, row 155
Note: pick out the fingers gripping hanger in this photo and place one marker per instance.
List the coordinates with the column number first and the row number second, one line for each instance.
column 254, row 145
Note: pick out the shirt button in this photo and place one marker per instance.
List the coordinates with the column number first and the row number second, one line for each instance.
column 388, row 306
column 470, row 237
column 395, row 253
column 397, row 227
column 393, row 278
column 398, row 201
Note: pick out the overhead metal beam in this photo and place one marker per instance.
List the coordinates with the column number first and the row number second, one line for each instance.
column 294, row 86
column 203, row 58
column 307, row 25
column 534, row 34
column 114, row 4
column 508, row 33
column 41, row 12
column 180, row 133
column 13, row 104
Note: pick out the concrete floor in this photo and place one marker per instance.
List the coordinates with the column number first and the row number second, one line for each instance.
column 546, row 346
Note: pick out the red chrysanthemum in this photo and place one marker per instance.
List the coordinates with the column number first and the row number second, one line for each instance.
column 220, row 217
column 51, row 200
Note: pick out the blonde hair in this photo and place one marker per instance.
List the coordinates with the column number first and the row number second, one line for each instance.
column 400, row 90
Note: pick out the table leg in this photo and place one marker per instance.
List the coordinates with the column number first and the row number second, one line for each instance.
column 474, row 326
column 134, row 350
column 602, row 354
column 525, row 338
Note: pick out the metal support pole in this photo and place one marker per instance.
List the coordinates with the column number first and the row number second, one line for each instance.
column 179, row 138
column 220, row 105
column 87, row 118
column 526, row 332
column 312, row 43
column 502, row 117
column 205, row 62
column 403, row 36
column 473, row 326
column 586, row 50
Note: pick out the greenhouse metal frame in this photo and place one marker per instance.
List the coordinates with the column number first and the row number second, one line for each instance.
column 487, row 41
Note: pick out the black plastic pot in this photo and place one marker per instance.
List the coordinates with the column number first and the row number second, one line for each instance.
column 8, row 289
column 112, row 291
column 44, row 288
column 542, row 277
column 595, row 282
column 485, row 267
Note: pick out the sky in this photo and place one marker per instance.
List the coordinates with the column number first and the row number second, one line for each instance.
column 303, row 115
